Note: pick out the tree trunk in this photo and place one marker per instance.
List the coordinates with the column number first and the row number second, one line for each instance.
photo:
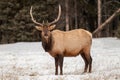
column 99, row 16
column 106, row 22
column 75, row 7
column 67, row 16
column 105, row 32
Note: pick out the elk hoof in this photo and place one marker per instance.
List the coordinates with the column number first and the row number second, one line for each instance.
column 56, row 73
column 61, row 73
column 84, row 72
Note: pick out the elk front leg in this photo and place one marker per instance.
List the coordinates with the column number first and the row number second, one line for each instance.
column 56, row 65
column 61, row 58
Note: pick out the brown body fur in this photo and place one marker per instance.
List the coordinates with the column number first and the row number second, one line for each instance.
column 71, row 43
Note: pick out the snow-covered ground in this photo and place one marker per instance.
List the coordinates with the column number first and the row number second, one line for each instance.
column 28, row 61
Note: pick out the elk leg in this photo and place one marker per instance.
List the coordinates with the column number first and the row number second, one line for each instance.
column 89, row 60
column 56, row 65
column 61, row 58
column 90, row 64
column 86, row 62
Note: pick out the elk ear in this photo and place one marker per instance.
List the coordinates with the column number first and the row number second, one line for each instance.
column 52, row 27
column 38, row 28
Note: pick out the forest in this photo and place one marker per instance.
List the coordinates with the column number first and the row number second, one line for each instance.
column 16, row 24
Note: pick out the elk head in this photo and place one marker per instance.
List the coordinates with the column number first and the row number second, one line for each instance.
column 45, row 27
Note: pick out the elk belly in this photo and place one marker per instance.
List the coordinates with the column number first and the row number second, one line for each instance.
column 72, row 53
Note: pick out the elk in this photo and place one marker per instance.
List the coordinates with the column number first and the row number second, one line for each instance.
column 60, row 44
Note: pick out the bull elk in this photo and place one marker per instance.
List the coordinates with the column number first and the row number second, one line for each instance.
column 60, row 44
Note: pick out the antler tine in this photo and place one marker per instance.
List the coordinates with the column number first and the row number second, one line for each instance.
column 59, row 14
column 33, row 18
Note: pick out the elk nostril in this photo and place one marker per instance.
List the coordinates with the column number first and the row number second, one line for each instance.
column 45, row 34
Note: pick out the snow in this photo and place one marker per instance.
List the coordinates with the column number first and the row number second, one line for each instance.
column 28, row 61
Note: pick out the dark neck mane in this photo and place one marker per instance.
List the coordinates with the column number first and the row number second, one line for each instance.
column 47, row 46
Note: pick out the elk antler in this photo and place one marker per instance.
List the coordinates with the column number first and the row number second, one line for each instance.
column 59, row 14
column 33, row 18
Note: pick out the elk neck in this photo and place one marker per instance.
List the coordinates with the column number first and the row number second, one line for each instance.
column 47, row 44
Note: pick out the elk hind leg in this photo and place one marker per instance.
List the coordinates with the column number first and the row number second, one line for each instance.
column 86, row 62
column 90, row 64
column 88, row 57
column 89, row 60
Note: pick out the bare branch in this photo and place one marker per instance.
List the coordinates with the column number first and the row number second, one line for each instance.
column 107, row 21
column 109, row 2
